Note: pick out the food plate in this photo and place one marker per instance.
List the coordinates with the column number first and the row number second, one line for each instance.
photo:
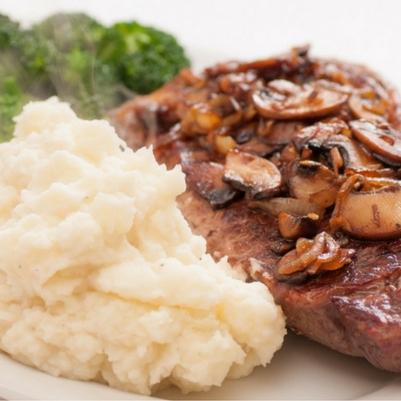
column 214, row 31
column 301, row 370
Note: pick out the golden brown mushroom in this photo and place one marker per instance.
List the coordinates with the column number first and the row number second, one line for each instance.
column 383, row 140
column 247, row 172
column 355, row 157
column 292, row 226
column 284, row 100
column 369, row 214
column 312, row 182
column 206, row 179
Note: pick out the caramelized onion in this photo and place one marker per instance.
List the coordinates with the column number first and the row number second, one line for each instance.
column 314, row 256
column 295, row 206
column 199, row 119
column 227, row 108
column 224, row 143
column 203, row 117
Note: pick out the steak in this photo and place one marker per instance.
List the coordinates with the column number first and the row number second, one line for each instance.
column 292, row 166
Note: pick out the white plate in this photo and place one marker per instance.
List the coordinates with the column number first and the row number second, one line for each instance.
column 364, row 31
column 300, row 370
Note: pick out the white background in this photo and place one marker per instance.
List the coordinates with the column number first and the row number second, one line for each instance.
column 363, row 31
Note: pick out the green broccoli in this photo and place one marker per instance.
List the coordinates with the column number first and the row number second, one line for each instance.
column 14, row 77
column 72, row 66
column 89, row 65
column 103, row 66
column 12, row 100
column 10, row 32
column 144, row 58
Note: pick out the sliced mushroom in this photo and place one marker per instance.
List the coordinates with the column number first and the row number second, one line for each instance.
column 368, row 209
column 268, row 68
column 368, row 104
column 355, row 157
column 277, row 132
column 313, row 257
column 383, row 140
column 206, row 179
column 312, row 182
column 314, row 136
column 252, row 173
column 284, row 100
column 293, row 226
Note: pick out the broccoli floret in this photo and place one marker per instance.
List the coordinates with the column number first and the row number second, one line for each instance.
column 15, row 77
column 22, row 52
column 78, row 76
column 69, row 31
column 12, row 100
column 144, row 58
column 89, row 65
column 11, row 37
column 10, row 32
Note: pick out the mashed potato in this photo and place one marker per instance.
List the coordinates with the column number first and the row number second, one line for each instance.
column 100, row 276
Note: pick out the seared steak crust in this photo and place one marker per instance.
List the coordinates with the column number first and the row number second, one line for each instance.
column 355, row 309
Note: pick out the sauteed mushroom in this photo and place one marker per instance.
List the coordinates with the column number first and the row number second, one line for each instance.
column 312, row 182
column 268, row 68
column 368, row 209
column 252, row 173
column 314, row 136
column 355, row 157
column 292, row 226
column 277, row 132
column 383, row 140
column 206, row 179
column 283, row 100
column 368, row 104
column 280, row 135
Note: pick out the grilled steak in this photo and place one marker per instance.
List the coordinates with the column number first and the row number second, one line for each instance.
column 292, row 166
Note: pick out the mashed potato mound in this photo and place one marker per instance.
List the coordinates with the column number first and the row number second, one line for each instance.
column 100, row 276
